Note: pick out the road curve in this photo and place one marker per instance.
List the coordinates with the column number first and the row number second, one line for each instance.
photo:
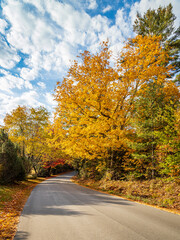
column 58, row 209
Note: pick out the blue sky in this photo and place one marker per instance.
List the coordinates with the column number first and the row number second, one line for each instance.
column 40, row 38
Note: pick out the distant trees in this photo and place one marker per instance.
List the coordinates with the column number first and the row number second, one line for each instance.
column 36, row 141
column 26, row 127
column 17, row 125
column 31, row 131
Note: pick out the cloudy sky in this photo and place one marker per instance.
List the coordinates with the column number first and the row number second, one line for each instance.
column 40, row 38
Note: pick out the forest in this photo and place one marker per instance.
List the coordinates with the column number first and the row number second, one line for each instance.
column 117, row 118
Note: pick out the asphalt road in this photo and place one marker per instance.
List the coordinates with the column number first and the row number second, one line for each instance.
column 58, row 209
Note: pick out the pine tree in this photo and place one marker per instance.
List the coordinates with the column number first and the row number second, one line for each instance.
column 147, row 122
column 169, row 146
column 156, row 140
column 161, row 22
column 151, row 129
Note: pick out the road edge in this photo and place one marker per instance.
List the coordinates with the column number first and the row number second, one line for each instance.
column 106, row 192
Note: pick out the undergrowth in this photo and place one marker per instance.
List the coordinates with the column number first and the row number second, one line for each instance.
column 164, row 193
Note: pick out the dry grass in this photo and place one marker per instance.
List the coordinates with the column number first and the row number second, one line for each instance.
column 163, row 193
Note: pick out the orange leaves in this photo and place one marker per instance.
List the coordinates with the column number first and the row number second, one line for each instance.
column 96, row 100
column 170, row 90
column 11, row 207
column 143, row 61
column 86, row 103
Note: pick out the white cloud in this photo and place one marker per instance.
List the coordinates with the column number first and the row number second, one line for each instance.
column 107, row 9
column 116, row 34
column 20, row 41
column 34, row 59
column 92, row 4
column 123, row 23
column 99, row 23
column 27, row 85
column 51, row 47
column 67, row 17
column 29, row 74
column 4, row 72
column 8, row 55
column 9, row 82
column 64, row 54
column 43, row 36
column 126, row 4
column 42, row 85
column 22, row 27
column 48, row 61
column 21, row 21
column 50, row 99
column 116, row 48
column 10, row 102
column 3, row 25
column 39, row 4
column 29, row 98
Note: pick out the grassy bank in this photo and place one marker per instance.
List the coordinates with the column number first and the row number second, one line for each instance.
column 164, row 193
column 12, row 200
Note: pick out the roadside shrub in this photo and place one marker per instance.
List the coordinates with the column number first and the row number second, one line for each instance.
column 11, row 166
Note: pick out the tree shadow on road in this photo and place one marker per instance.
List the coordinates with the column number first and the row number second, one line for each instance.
column 59, row 196
column 21, row 235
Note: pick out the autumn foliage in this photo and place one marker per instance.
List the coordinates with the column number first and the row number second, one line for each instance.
column 97, row 102
column 114, row 118
column 30, row 130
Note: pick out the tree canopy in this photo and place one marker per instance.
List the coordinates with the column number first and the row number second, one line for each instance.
column 111, row 120
column 160, row 22
column 96, row 102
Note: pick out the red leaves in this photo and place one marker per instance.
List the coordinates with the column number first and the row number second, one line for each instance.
column 53, row 164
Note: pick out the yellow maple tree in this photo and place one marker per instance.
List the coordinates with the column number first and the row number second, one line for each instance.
column 96, row 100
column 16, row 123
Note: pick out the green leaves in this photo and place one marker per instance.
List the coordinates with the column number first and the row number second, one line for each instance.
column 155, row 22
column 160, row 22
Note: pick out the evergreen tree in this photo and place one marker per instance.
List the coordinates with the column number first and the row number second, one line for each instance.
column 155, row 22
column 147, row 122
column 161, row 22
column 11, row 166
column 155, row 145
column 169, row 147
column 152, row 120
